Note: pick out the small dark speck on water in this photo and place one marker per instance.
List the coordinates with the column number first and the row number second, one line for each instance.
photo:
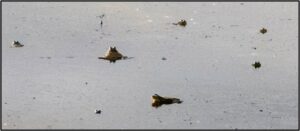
column 164, row 58
column 86, row 83
column 256, row 65
column 33, row 98
column 254, row 48
column 263, row 31
column 98, row 111
column 5, row 103
column 261, row 110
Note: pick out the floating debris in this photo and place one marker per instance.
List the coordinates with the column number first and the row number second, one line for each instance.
column 163, row 58
column 16, row 44
column 98, row 111
column 181, row 23
column 263, row 31
column 254, row 48
column 157, row 100
column 256, row 64
column 261, row 110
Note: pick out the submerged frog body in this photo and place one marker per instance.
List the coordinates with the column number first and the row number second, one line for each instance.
column 16, row 44
column 113, row 55
column 157, row 100
column 181, row 23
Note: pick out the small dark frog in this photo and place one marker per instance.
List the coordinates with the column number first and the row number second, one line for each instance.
column 16, row 44
column 98, row 111
column 263, row 31
column 256, row 64
column 113, row 55
column 157, row 100
column 181, row 23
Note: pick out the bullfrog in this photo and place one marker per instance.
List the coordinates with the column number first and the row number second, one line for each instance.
column 181, row 23
column 112, row 55
column 16, row 44
column 157, row 100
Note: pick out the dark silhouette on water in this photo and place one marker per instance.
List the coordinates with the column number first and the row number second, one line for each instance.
column 181, row 23
column 16, row 44
column 263, row 31
column 256, row 64
column 157, row 100
column 112, row 55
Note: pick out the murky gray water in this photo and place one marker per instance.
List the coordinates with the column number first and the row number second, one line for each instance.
column 56, row 80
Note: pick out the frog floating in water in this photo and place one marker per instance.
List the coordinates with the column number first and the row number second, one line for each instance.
column 16, row 44
column 113, row 55
column 263, row 30
column 256, row 64
column 181, row 23
column 157, row 100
